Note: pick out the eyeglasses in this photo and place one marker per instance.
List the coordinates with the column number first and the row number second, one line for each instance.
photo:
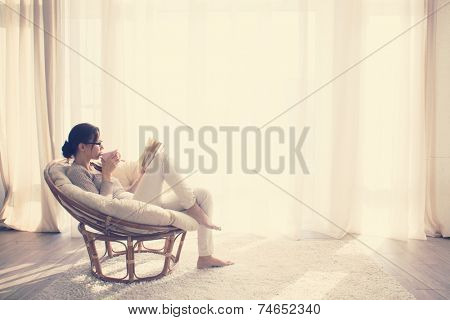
column 96, row 143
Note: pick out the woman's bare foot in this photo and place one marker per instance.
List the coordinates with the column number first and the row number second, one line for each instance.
column 211, row 262
column 200, row 216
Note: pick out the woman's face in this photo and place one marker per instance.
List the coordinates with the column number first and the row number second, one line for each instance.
column 92, row 150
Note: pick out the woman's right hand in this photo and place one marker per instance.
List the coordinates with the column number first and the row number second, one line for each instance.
column 109, row 165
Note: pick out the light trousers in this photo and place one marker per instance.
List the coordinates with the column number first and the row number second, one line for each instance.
column 179, row 197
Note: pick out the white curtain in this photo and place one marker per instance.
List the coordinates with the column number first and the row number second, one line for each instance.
column 4, row 194
column 229, row 63
column 438, row 115
column 368, row 142
column 30, row 92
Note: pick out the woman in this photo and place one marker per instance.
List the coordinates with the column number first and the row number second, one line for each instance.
column 84, row 145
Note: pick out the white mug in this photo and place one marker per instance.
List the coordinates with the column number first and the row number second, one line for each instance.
column 110, row 154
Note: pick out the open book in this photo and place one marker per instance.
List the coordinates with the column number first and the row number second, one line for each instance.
column 151, row 147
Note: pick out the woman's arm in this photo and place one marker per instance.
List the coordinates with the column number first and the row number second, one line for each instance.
column 108, row 166
column 83, row 179
column 106, row 189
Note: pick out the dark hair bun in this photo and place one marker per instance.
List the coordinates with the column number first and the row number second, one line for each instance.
column 68, row 150
column 81, row 133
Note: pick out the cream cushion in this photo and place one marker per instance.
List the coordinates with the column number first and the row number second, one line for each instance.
column 126, row 209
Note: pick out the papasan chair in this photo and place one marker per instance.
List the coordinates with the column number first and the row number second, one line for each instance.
column 127, row 222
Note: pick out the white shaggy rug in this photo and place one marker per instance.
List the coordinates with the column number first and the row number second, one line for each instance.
column 265, row 268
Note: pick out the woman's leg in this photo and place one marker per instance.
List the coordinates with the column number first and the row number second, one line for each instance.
column 204, row 201
column 149, row 188
column 204, row 238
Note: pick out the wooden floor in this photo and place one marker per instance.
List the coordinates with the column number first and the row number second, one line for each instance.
column 30, row 261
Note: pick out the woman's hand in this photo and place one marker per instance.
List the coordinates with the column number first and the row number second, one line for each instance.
column 109, row 165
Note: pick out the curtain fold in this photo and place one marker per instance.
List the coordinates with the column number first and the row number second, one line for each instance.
column 4, row 192
column 28, row 115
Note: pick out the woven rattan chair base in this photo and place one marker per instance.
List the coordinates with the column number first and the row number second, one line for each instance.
column 109, row 229
column 133, row 245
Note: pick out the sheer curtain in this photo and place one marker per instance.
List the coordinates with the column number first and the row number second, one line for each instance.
column 438, row 113
column 29, row 98
column 227, row 63
column 368, row 139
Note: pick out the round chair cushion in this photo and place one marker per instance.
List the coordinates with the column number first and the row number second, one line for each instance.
column 126, row 208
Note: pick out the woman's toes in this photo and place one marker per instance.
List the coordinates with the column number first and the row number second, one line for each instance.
column 211, row 262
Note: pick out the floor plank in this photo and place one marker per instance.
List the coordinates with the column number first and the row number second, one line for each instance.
column 32, row 260
column 427, row 295
column 445, row 293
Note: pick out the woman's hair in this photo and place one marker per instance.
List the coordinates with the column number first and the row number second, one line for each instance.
column 81, row 133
